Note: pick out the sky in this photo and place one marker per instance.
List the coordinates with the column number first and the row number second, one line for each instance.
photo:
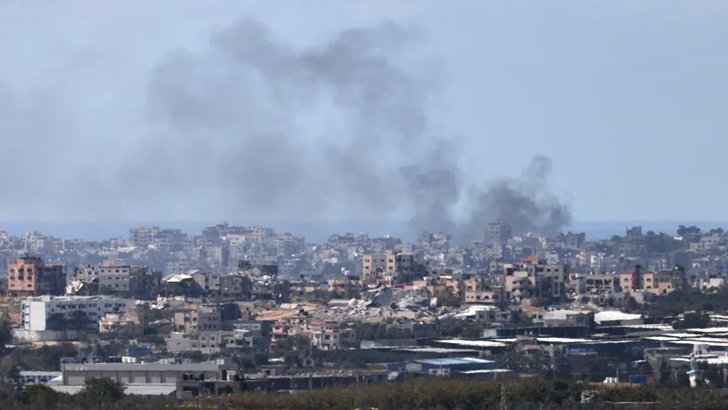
column 621, row 99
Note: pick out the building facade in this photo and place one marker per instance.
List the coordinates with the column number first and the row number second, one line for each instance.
column 536, row 279
column 41, row 313
column 30, row 276
column 497, row 233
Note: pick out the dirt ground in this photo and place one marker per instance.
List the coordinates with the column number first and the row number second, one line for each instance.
column 11, row 307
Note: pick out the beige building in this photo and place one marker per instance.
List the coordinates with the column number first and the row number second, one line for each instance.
column 130, row 324
column 659, row 283
column 535, row 279
column 203, row 319
column 389, row 266
column 30, row 276
column 486, row 297
column 596, row 282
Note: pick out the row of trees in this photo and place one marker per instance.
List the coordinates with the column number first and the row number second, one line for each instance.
column 422, row 393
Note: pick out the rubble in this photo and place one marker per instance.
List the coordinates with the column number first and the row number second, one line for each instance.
column 382, row 303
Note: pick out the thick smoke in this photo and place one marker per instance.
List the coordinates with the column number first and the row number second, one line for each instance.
column 255, row 128
column 525, row 203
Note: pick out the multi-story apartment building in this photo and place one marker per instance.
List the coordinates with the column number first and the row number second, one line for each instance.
column 595, row 282
column 224, row 285
column 129, row 324
column 203, row 319
column 143, row 236
column 30, row 276
column 659, row 283
column 117, row 278
column 534, row 278
column 389, row 266
column 38, row 313
column 221, row 341
column 497, row 233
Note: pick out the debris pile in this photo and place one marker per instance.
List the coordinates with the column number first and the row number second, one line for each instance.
column 378, row 303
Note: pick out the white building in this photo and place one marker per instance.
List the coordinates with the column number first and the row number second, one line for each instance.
column 37, row 377
column 36, row 311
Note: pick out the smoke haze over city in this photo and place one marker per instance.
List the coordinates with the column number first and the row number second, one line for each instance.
column 256, row 128
column 241, row 111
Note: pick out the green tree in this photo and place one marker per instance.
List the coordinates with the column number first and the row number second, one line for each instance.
column 693, row 321
column 630, row 304
column 474, row 331
column 40, row 396
column 57, row 321
column 99, row 392
column 6, row 333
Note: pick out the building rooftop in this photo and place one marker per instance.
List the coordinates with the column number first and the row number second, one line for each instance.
column 447, row 361
column 132, row 389
column 615, row 315
column 473, row 343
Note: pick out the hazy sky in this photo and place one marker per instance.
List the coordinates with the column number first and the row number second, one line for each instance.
column 624, row 97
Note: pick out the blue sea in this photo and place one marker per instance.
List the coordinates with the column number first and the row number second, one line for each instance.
column 316, row 232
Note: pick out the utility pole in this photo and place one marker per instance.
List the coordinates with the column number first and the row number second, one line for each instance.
column 504, row 402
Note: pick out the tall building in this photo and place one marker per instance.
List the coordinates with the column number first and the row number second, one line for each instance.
column 535, row 279
column 143, row 236
column 388, row 266
column 497, row 233
column 30, row 276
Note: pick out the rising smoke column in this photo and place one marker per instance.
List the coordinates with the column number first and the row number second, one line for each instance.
column 526, row 203
column 249, row 92
column 240, row 111
column 255, row 128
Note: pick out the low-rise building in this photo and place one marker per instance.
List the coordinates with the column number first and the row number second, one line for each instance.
column 489, row 296
column 43, row 317
column 117, row 278
column 181, row 380
column 28, row 377
column 203, row 319
column 225, row 341
column 129, row 324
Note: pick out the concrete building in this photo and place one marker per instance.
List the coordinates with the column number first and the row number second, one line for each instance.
column 389, row 266
column 491, row 296
column 30, row 276
column 184, row 380
column 239, row 342
column 657, row 283
column 344, row 283
column 117, row 278
column 203, row 319
column 38, row 314
column 568, row 318
column 497, row 233
column 143, row 236
column 129, row 324
column 38, row 377
column 536, row 279
column 442, row 366
column 596, row 282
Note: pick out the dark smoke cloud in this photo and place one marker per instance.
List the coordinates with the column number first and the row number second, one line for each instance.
column 526, row 203
column 255, row 128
